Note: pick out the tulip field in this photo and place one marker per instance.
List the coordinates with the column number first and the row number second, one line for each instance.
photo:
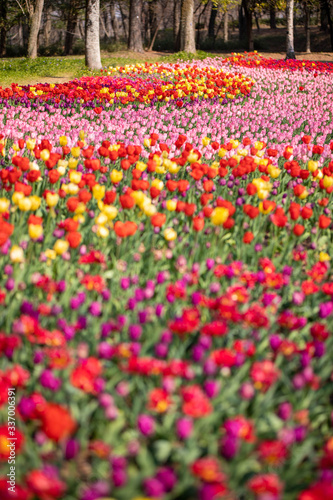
column 166, row 285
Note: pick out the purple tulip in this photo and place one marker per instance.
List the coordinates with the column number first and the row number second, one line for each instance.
column 146, row 425
column 184, row 427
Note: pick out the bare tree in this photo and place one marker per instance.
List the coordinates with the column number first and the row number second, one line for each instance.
column 35, row 15
column 187, row 27
column 135, row 35
column 307, row 26
column 114, row 20
column 290, row 30
column 225, row 26
column 3, row 27
column 212, row 20
column 47, row 26
column 176, row 24
column 93, row 53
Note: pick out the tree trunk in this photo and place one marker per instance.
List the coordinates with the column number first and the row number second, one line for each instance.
column 225, row 26
column 123, row 20
column 272, row 17
column 176, row 24
column 35, row 16
column 212, row 20
column 70, row 30
column 241, row 22
column 257, row 21
column 323, row 16
column 290, row 30
column 152, row 20
column 151, row 46
column 3, row 27
column 187, row 27
column 108, row 25
column 199, row 25
column 135, row 36
column 307, row 27
column 329, row 19
column 93, row 53
column 105, row 31
column 47, row 27
column 114, row 21
column 248, row 25
column 82, row 30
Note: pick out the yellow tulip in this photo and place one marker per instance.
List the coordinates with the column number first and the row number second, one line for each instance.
column 101, row 219
column 273, row 171
column 35, row 231
column 157, row 160
column 79, row 217
column 81, row 134
column 141, row 166
column 174, row 168
column 171, row 205
column 219, row 216
column 110, row 211
column 258, row 145
column 205, row 141
column 76, row 151
column 72, row 162
column 312, row 165
column 158, row 184
column 61, row 170
column 75, row 177
column 4, row 205
column 60, row 247
column 263, row 162
column 147, row 143
column 263, row 193
column 170, row 234
column 50, row 254
column 222, row 152
column 138, row 197
column 160, row 170
column 52, row 199
column 327, row 181
column 323, row 256
column 45, row 154
column 102, row 232
column 35, row 202
column 16, row 254
column 116, row 176
column 98, row 192
column 149, row 209
column 242, row 152
column 24, row 204
column 72, row 188
column 192, row 157
column 81, row 208
column 31, row 143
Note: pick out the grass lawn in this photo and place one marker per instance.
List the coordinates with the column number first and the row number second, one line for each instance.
column 59, row 69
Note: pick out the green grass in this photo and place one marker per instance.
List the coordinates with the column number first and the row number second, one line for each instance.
column 23, row 71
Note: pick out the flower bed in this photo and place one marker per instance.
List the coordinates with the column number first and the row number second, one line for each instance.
column 185, row 83
column 166, row 297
